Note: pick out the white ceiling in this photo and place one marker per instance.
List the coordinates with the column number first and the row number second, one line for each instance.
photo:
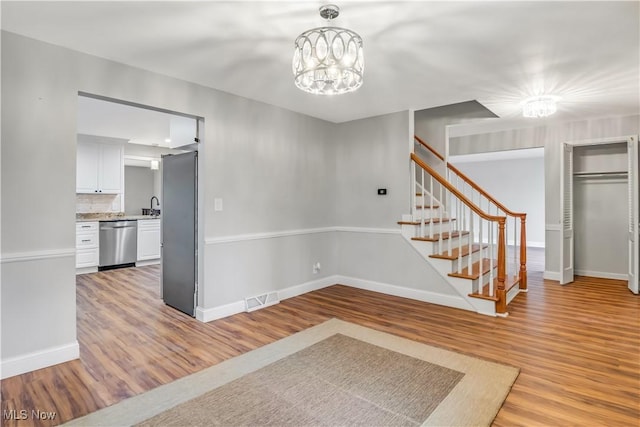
column 137, row 125
column 418, row 54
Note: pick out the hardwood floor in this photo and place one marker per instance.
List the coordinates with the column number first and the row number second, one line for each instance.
column 577, row 346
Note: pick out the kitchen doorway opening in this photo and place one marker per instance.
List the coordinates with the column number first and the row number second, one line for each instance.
column 139, row 193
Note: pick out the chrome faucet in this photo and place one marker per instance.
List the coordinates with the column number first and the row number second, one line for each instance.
column 151, row 211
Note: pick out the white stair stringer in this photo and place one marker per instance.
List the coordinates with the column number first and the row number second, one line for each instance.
column 444, row 266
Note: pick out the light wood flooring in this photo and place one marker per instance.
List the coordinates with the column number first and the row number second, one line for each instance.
column 577, row 346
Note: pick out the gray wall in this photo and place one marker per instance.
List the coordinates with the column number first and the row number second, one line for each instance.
column 601, row 225
column 370, row 154
column 523, row 191
column 269, row 165
column 430, row 124
column 512, row 139
column 138, row 189
column 280, row 176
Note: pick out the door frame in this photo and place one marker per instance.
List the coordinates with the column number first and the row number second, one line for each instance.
column 566, row 229
column 198, row 145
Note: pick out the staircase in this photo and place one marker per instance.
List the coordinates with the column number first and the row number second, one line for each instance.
column 471, row 239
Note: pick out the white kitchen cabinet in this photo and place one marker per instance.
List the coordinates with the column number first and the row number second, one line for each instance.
column 100, row 168
column 87, row 246
column 148, row 239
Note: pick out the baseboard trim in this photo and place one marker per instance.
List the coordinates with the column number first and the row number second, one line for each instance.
column 601, row 274
column 214, row 313
column 455, row 301
column 314, row 285
column 551, row 275
column 534, row 244
column 39, row 359
column 147, row 262
column 37, row 255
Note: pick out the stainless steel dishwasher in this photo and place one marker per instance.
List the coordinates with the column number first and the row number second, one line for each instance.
column 118, row 244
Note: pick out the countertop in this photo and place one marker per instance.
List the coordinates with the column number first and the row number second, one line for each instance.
column 112, row 217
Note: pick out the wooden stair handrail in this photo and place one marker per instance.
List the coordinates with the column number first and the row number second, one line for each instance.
column 430, row 148
column 456, row 192
column 470, row 181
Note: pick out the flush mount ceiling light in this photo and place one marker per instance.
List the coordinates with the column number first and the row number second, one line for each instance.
column 328, row 60
column 539, row 106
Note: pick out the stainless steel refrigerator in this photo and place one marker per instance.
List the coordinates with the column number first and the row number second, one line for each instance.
column 179, row 231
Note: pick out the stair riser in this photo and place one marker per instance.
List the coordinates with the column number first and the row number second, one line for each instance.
column 430, row 248
column 428, row 213
column 427, row 201
column 416, row 230
column 455, row 242
column 479, row 283
column 475, row 256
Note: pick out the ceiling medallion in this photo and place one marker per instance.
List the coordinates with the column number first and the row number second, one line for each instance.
column 328, row 60
column 540, row 106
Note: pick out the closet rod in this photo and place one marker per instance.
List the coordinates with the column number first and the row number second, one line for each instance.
column 600, row 174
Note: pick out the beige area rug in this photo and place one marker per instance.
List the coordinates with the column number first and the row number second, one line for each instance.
column 336, row 373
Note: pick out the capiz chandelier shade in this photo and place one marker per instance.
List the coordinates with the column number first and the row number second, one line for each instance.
column 328, row 60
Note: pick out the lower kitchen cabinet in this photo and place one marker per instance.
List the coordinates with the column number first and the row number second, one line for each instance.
column 148, row 239
column 87, row 246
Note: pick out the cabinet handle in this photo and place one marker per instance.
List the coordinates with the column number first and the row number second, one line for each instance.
column 86, row 226
column 86, row 240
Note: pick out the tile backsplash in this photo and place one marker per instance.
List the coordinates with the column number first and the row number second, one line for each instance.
column 98, row 203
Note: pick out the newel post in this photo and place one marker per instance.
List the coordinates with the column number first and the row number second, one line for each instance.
column 523, row 252
column 501, row 293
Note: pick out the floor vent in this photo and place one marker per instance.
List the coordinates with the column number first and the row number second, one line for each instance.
column 262, row 301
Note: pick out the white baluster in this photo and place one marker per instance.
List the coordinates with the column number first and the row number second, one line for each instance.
column 423, row 207
column 440, row 209
column 431, row 204
column 469, row 260
column 415, row 189
column 491, row 257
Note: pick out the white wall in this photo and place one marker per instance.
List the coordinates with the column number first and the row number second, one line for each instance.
column 517, row 182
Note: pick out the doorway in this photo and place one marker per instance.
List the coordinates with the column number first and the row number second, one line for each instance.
column 599, row 202
column 146, row 138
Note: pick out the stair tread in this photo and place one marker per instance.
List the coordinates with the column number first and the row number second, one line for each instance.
column 446, row 235
column 426, row 221
column 475, row 269
column 509, row 283
column 455, row 252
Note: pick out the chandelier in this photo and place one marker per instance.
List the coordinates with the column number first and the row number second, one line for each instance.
column 539, row 106
column 328, row 60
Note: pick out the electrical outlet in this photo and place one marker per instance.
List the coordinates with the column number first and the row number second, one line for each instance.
column 382, row 191
column 316, row 268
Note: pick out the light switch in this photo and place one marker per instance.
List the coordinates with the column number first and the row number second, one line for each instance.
column 217, row 205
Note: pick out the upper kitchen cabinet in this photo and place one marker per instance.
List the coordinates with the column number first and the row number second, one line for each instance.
column 100, row 167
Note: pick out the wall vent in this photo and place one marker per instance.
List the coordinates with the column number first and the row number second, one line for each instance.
column 261, row 301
